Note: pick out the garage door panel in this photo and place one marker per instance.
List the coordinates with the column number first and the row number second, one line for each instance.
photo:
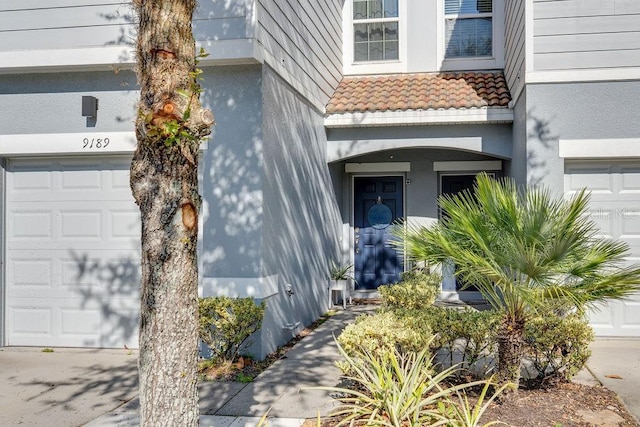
column 124, row 224
column 630, row 180
column 29, row 225
column 631, row 313
column 73, row 253
column 83, row 224
column 597, row 180
column 602, row 316
column 28, row 272
column 73, row 180
column 615, row 208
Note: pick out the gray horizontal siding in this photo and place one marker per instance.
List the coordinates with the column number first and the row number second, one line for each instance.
column 586, row 34
column 303, row 40
column 65, row 24
column 515, row 37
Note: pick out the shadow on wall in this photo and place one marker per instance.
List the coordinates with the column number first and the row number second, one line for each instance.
column 232, row 211
column 541, row 146
column 303, row 224
column 109, row 294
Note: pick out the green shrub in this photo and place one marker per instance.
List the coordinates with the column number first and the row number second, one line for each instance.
column 465, row 337
column 227, row 323
column 381, row 332
column 397, row 389
column 557, row 346
column 418, row 289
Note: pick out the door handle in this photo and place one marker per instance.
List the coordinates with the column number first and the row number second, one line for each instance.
column 356, row 239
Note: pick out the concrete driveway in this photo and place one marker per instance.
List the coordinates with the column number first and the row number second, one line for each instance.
column 68, row 387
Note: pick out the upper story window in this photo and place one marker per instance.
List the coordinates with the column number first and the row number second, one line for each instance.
column 375, row 30
column 468, row 28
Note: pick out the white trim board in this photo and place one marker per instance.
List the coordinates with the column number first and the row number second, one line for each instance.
column 377, row 167
column 583, row 75
column 67, row 143
column 598, row 148
column 238, row 51
column 85, row 143
column 463, row 166
column 419, row 117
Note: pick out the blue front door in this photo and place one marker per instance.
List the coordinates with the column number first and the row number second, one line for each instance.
column 377, row 205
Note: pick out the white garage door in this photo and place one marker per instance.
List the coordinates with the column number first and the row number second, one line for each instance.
column 615, row 207
column 72, row 253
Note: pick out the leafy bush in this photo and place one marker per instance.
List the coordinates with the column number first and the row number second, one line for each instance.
column 227, row 323
column 398, row 389
column 465, row 337
column 557, row 346
column 382, row 332
column 417, row 289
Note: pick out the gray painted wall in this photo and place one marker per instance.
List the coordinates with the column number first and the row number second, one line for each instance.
column 303, row 43
column 60, row 24
column 302, row 223
column 51, row 103
column 516, row 168
column 492, row 139
column 232, row 181
column 579, row 34
column 575, row 111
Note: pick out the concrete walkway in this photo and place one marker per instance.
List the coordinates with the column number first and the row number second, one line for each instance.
column 99, row 388
column 64, row 388
column 280, row 389
column 616, row 365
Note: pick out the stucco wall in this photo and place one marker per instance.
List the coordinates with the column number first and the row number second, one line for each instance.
column 348, row 143
column 516, row 167
column 51, row 103
column 605, row 110
column 232, row 182
column 302, row 223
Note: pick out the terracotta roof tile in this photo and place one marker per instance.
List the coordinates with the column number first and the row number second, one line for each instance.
column 399, row 92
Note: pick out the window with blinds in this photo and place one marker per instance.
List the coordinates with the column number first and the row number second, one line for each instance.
column 468, row 28
column 375, row 30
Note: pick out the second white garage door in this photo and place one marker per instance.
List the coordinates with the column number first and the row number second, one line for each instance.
column 615, row 207
column 73, row 253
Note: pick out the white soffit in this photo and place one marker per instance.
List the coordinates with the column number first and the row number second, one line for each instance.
column 377, row 167
column 462, row 166
column 598, row 148
column 419, row 117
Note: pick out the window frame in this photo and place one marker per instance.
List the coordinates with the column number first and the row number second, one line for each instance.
column 469, row 16
column 382, row 20
column 495, row 61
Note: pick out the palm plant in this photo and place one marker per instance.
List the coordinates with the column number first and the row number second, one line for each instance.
column 523, row 249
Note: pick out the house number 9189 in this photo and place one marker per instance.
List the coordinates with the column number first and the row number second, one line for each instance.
column 95, row 143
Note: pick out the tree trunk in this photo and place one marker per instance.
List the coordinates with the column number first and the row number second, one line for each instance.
column 164, row 183
column 510, row 353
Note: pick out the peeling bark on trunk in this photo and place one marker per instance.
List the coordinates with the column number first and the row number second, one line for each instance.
column 510, row 353
column 164, row 183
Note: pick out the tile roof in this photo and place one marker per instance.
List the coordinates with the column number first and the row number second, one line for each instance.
column 425, row 91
